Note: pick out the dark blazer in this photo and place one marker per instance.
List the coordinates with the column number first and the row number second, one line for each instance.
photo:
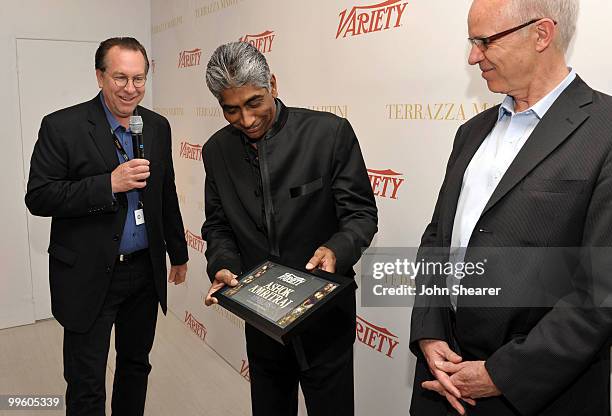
column 547, row 360
column 70, row 181
column 317, row 192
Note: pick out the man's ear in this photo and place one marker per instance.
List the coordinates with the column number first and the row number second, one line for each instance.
column 99, row 75
column 546, row 30
column 273, row 89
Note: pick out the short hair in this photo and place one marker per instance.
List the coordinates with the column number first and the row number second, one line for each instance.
column 564, row 12
column 234, row 65
column 124, row 43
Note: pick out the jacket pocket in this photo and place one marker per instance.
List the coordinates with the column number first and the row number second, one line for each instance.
column 556, row 186
column 62, row 253
column 306, row 188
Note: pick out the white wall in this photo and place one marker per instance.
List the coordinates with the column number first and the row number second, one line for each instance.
column 85, row 20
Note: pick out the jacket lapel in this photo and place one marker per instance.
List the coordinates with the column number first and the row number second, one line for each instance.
column 473, row 139
column 148, row 134
column 561, row 120
column 101, row 134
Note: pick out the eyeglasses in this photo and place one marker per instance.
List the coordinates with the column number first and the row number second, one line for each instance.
column 483, row 43
column 122, row 82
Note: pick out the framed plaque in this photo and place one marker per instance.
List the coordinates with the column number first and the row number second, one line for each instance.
column 280, row 301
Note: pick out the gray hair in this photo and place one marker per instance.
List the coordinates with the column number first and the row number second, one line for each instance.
column 564, row 12
column 234, row 65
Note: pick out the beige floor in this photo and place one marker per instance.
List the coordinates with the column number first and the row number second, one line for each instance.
column 188, row 377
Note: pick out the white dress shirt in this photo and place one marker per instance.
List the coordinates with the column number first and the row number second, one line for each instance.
column 491, row 162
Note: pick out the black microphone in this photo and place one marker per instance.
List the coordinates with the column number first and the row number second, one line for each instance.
column 136, row 126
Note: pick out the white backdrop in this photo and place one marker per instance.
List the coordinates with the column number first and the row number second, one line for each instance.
column 405, row 88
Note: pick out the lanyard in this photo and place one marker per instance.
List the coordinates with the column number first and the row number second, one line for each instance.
column 120, row 148
column 126, row 158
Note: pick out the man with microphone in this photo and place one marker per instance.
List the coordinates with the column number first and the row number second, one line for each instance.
column 114, row 217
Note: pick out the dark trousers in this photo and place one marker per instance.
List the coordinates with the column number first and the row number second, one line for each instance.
column 130, row 305
column 328, row 388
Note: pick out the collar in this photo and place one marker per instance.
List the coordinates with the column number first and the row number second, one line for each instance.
column 279, row 122
column 543, row 105
column 114, row 124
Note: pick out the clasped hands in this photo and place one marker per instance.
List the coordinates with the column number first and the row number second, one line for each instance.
column 323, row 258
column 455, row 379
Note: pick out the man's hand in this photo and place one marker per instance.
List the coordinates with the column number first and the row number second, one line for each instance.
column 177, row 274
column 438, row 351
column 324, row 259
column 471, row 378
column 222, row 277
column 130, row 175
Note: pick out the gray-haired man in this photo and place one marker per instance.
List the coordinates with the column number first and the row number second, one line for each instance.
column 292, row 184
column 535, row 171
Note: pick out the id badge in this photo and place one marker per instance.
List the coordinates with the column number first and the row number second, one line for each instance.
column 139, row 216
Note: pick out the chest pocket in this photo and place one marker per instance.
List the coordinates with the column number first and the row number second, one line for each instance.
column 555, row 186
column 307, row 188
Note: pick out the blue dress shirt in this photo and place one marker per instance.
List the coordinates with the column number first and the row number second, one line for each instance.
column 134, row 236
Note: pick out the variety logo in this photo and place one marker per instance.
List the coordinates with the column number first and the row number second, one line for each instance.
column 385, row 183
column 191, row 151
column 194, row 241
column 153, row 65
column 196, row 326
column 368, row 19
column 244, row 370
column 189, row 58
column 378, row 338
column 262, row 41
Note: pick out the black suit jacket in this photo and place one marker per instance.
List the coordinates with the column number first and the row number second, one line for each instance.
column 317, row 192
column 70, row 181
column 549, row 360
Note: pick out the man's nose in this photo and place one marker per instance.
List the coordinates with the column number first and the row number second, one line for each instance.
column 475, row 55
column 129, row 87
column 246, row 119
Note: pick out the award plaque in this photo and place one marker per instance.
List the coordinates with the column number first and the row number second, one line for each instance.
column 279, row 300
